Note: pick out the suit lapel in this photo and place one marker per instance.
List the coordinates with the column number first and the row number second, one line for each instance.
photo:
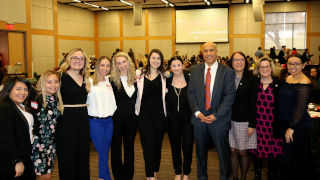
column 216, row 83
column 201, row 81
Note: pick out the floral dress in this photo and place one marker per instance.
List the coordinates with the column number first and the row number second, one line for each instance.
column 44, row 146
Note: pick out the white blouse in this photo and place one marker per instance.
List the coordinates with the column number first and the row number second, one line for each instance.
column 129, row 90
column 101, row 99
column 30, row 120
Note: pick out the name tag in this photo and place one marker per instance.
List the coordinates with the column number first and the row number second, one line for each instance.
column 34, row 105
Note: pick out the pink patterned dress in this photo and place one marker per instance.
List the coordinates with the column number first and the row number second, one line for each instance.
column 267, row 145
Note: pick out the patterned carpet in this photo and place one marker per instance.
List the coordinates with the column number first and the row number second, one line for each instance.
column 166, row 168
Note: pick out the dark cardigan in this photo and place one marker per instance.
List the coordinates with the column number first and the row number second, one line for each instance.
column 276, row 123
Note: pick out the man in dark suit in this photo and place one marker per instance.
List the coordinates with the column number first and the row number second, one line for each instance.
column 281, row 56
column 211, row 93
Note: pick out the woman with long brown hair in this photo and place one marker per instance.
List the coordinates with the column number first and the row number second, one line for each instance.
column 151, row 109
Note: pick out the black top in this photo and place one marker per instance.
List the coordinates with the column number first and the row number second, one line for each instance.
column 125, row 104
column 15, row 142
column 293, row 105
column 152, row 95
column 244, row 107
column 71, row 92
column 172, row 98
column 282, row 60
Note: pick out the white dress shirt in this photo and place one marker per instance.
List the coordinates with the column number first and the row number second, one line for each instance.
column 101, row 101
column 30, row 120
column 213, row 72
column 129, row 90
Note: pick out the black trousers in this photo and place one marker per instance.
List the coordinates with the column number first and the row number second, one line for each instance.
column 151, row 126
column 180, row 131
column 72, row 139
column 124, row 130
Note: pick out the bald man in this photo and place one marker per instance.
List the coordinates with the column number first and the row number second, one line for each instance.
column 211, row 93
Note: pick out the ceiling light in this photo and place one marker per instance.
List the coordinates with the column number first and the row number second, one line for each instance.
column 247, row 1
column 76, row 1
column 170, row 4
column 123, row 1
column 207, row 2
column 104, row 8
column 93, row 5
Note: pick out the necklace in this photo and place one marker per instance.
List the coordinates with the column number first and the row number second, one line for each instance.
column 178, row 95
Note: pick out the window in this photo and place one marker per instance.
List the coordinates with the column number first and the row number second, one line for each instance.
column 285, row 29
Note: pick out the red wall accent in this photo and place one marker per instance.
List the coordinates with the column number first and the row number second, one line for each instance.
column 4, row 47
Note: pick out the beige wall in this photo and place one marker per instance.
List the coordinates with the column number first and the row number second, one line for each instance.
column 68, row 45
column 76, row 28
column 42, row 14
column 43, row 53
column 160, row 22
column 73, row 21
column 106, row 48
column 109, row 24
column 315, row 28
column 13, row 11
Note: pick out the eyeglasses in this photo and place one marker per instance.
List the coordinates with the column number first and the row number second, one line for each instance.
column 294, row 64
column 264, row 67
column 75, row 58
column 238, row 60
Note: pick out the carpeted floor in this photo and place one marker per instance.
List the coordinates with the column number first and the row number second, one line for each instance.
column 166, row 169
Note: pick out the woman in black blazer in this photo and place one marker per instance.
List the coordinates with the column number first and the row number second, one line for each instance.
column 15, row 131
column 123, row 81
column 243, row 112
column 266, row 124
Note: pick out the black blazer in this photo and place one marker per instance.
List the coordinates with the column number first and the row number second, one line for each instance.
column 223, row 94
column 125, row 104
column 277, row 84
column 245, row 103
column 14, row 137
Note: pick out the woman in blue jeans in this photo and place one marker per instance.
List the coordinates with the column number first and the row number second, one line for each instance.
column 101, row 107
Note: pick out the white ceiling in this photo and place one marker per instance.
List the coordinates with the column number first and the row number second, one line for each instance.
column 116, row 4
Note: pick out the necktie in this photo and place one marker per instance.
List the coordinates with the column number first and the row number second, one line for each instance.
column 207, row 89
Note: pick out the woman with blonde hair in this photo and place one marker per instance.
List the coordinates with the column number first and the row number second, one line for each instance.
column 46, row 109
column 101, row 107
column 266, row 123
column 72, row 131
column 124, row 119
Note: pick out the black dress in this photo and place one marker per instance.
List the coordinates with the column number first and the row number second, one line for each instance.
column 180, row 129
column 151, row 124
column 72, row 132
column 293, row 105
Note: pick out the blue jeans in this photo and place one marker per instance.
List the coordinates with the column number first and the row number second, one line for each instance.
column 101, row 135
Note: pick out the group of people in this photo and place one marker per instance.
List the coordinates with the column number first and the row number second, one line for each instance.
column 247, row 116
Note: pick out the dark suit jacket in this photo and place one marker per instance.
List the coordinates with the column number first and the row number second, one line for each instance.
column 14, row 137
column 281, row 59
column 223, row 94
column 245, row 103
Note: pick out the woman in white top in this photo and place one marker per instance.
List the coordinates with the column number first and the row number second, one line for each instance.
column 124, row 119
column 15, row 131
column 101, row 106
